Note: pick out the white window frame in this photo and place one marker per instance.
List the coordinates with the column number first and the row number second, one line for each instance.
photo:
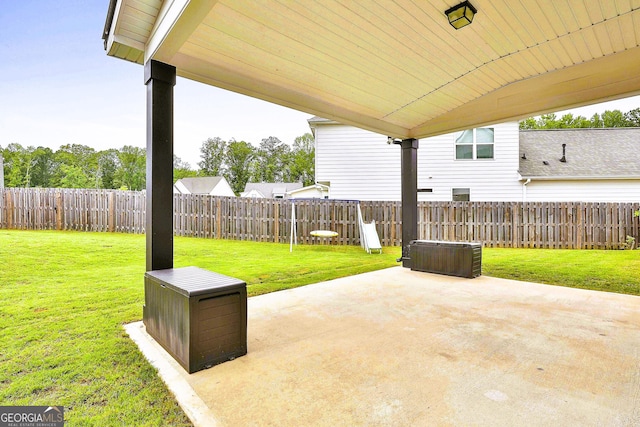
column 474, row 144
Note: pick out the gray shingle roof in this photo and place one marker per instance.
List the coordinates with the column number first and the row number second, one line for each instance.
column 594, row 153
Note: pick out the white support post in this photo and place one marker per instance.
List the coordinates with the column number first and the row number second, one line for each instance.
column 294, row 231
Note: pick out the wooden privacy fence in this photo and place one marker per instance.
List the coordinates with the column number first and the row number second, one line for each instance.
column 72, row 209
column 269, row 220
column 495, row 224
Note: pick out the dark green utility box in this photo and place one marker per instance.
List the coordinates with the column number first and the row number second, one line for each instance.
column 198, row 316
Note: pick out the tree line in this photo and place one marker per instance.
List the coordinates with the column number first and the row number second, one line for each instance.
column 80, row 166
column 608, row 119
column 74, row 166
column 272, row 161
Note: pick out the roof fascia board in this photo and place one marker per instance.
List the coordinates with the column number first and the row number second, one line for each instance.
column 321, row 122
column 109, row 21
column 114, row 41
column 177, row 20
column 165, row 22
column 115, row 19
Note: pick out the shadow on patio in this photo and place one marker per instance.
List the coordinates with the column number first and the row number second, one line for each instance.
column 397, row 348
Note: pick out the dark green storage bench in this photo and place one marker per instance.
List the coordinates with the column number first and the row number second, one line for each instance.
column 462, row 259
column 198, row 316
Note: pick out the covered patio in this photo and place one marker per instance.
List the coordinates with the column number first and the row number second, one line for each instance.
column 398, row 348
column 399, row 68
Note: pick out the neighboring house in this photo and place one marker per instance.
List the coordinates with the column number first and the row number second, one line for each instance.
column 210, row 185
column 482, row 164
column 315, row 191
column 358, row 164
column 596, row 164
column 277, row 190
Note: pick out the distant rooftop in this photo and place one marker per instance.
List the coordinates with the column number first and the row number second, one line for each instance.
column 269, row 189
column 594, row 153
column 201, row 185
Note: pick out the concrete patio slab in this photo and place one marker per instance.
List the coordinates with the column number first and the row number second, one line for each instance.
column 398, row 348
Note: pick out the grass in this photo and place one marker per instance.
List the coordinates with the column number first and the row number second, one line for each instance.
column 610, row 271
column 65, row 296
column 268, row 267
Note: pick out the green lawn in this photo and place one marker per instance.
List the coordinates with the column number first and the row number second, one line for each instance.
column 64, row 297
column 611, row 271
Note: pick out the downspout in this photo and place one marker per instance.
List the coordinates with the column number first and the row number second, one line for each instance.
column 524, row 189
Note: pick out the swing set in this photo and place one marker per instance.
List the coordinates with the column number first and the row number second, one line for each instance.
column 369, row 239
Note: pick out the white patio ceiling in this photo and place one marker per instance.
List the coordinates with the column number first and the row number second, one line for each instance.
column 393, row 66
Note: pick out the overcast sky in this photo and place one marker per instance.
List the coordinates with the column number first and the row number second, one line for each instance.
column 57, row 86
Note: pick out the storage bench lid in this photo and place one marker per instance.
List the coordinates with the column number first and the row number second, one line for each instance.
column 192, row 281
column 444, row 243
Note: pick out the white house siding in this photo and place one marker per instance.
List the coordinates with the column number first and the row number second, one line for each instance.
column 361, row 165
column 488, row 179
column 357, row 164
column 584, row 191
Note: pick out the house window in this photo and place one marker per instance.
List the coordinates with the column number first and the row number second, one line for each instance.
column 474, row 144
column 460, row 194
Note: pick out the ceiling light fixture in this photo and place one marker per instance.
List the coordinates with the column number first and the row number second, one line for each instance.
column 461, row 15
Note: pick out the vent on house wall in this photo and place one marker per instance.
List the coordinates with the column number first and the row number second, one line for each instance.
column 564, row 157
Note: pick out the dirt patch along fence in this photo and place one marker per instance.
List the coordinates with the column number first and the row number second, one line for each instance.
column 561, row 225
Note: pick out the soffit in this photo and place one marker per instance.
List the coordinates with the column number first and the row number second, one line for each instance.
column 395, row 66
column 131, row 27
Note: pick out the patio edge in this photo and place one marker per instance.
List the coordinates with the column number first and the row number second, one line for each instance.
column 192, row 405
